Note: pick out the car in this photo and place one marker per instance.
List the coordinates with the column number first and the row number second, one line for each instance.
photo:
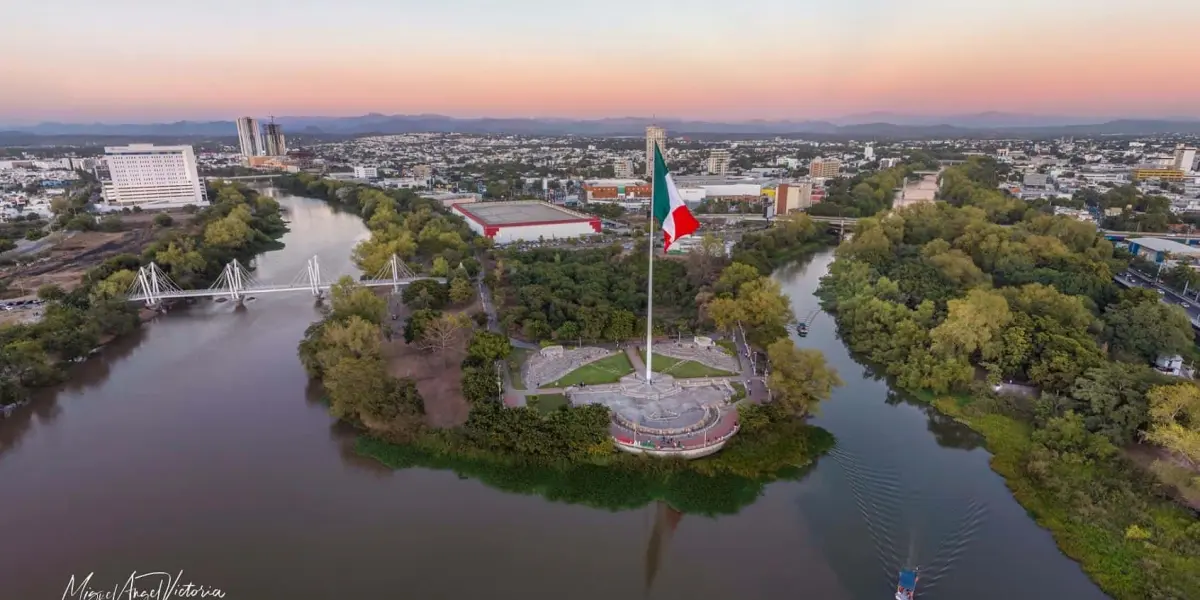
column 1161, row 292
column 1185, row 305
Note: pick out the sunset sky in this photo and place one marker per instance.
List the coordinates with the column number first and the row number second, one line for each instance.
column 159, row 60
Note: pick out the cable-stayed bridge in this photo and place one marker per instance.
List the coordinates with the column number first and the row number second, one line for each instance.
column 152, row 285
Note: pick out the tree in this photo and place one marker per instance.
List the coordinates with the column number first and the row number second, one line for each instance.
column 183, row 261
column 229, row 232
column 51, row 292
column 426, row 293
column 972, row 323
column 354, row 337
column 349, row 299
column 799, row 377
column 442, row 334
column 461, row 290
column 1146, row 330
column 163, row 220
column 733, row 276
column 114, row 286
column 1175, row 420
column 353, row 383
column 440, row 268
column 1111, row 399
column 487, row 346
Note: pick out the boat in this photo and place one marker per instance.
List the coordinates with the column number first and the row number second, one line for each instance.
column 802, row 329
column 907, row 586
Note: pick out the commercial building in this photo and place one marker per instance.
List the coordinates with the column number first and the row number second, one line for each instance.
column 654, row 135
column 1185, row 158
column 149, row 175
column 275, row 144
column 824, row 168
column 718, row 162
column 629, row 193
column 530, row 221
column 361, row 172
column 793, row 196
column 1157, row 249
column 623, row 168
column 250, row 137
column 1144, row 173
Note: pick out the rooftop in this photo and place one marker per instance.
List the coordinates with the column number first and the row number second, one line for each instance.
column 1161, row 245
column 515, row 213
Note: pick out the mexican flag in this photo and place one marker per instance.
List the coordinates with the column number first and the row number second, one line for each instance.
column 677, row 221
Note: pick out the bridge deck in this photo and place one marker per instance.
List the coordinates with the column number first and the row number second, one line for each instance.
column 270, row 289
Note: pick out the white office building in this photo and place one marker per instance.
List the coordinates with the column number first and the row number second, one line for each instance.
column 361, row 172
column 250, row 137
column 150, row 176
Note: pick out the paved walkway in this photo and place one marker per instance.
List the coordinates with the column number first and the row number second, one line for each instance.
column 756, row 387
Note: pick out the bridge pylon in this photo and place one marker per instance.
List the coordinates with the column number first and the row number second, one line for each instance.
column 151, row 283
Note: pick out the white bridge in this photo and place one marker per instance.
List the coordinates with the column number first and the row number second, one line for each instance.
column 236, row 283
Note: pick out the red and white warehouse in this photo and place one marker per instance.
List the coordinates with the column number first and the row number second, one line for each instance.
column 530, row 221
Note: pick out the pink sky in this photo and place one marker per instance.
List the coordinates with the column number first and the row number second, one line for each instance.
column 136, row 60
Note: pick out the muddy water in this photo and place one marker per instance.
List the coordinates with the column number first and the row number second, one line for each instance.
column 197, row 445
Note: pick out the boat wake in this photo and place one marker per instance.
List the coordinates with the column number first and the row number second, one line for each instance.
column 895, row 516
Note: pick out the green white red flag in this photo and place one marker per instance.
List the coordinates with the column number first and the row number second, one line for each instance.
column 667, row 205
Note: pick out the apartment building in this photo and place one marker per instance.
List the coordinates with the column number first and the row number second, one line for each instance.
column 250, row 137
column 824, row 168
column 718, row 162
column 654, row 135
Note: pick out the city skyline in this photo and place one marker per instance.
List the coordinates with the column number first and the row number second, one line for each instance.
column 533, row 58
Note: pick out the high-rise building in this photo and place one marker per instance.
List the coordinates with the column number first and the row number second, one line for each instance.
column 275, row 142
column 718, row 162
column 622, row 168
column 654, row 135
column 1185, row 158
column 250, row 137
column 145, row 173
column 869, row 152
column 825, row 168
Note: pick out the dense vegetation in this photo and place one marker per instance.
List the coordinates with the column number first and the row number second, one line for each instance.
column 238, row 224
column 941, row 295
column 596, row 295
column 868, row 193
column 549, row 294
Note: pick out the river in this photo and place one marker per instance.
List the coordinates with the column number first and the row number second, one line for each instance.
column 198, row 445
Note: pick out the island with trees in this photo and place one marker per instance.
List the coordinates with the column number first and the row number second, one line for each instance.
column 962, row 299
column 238, row 223
column 551, row 296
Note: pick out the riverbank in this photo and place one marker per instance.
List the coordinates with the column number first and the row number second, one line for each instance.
column 926, row 295
column 238, row 224
column 1103, row 511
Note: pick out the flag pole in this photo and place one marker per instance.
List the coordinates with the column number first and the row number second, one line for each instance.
column 650, row 276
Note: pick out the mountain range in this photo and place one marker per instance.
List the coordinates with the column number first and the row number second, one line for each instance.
column 878, row 125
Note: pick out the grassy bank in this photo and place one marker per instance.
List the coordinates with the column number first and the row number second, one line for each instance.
column 1103, row 512
column 617, row 481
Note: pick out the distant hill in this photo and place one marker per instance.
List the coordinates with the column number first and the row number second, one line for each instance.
column 886, row 126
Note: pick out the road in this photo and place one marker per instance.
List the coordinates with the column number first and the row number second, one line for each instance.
column 1190, row 304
